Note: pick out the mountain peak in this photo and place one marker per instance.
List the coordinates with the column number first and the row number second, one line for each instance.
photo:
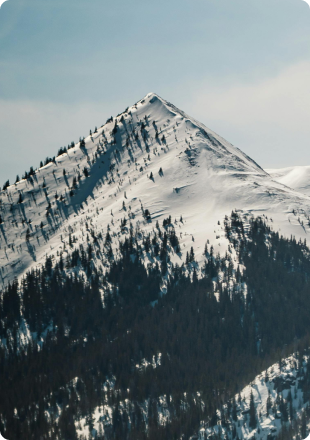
column 151, row 157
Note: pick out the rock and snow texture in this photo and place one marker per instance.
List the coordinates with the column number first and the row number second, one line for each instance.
column 152, row 156
column 277, row 395
column 280, row 387
column 297, row 177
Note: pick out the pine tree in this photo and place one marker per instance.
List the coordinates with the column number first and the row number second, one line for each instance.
column 291, row 408
column 206, row 250
column 6, row 185
column 192, row 255
column 268, row 403
column 234, row 411
column 303, row 425
column 253, row 421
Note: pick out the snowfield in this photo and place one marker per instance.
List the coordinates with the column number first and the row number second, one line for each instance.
column 294, row 177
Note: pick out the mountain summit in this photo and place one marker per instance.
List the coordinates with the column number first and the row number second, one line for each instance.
column 151, row 158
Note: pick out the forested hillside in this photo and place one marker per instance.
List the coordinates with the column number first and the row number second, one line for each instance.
column 149, row 273
column 112, row 357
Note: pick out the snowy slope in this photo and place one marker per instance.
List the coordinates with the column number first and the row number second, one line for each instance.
column 282, row 387
column 297, row 177
column 203, row 178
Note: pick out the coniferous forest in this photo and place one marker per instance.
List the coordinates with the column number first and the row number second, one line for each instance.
column 113, row 341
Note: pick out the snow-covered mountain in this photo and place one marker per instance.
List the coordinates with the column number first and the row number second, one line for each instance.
column 151, row 157
column 149, row 188
column 297, row 177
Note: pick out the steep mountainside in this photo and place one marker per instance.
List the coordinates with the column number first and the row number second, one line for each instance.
column 194, row 174
column 274, row 405
column 297, row 177
column 154, row 285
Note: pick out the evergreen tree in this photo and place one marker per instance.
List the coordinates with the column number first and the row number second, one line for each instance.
column 253, row 420
column 234, row 411
column 20, row 198
column 268, row 403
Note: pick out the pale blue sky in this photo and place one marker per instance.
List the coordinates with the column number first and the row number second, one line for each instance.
column 241, row 67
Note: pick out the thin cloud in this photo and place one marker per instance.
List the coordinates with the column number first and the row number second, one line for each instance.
column 36, row 129
column 268, row 119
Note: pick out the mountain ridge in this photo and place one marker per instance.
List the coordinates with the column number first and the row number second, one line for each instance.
column 204, row 178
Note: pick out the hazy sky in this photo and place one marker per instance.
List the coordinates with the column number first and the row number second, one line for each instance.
column 242, row 67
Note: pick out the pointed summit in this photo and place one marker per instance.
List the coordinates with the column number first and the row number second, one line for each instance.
column 151, row 162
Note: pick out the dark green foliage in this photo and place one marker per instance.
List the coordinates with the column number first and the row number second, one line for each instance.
column 167, row 221
column 61, row 151
column 49, row 160
column 268, row 404
column 114, row 131
column 253, row 420
column 147, row 214
column 6, row 185
column 206, row 343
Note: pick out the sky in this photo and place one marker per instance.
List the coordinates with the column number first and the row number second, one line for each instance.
column 241, row 67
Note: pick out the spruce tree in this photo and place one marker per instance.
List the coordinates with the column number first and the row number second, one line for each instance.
column 268, row 404
column 234, row 411
column 253, row 421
